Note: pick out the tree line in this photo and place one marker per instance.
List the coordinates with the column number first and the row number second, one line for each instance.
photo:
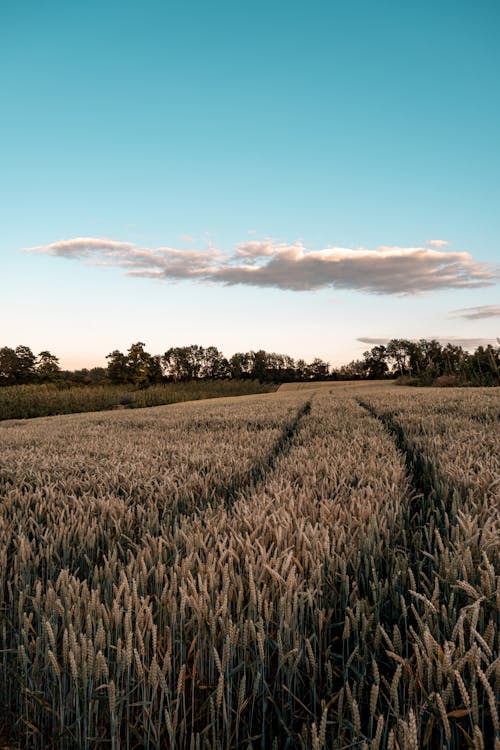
column 427, row 362
column 184, row 363
column 20, row 366
column 421, row 362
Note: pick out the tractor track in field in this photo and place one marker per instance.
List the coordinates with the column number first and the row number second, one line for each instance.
column 432, row 504
column 421, row 471
column 228, row 492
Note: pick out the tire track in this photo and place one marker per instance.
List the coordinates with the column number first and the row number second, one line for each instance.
column 227, row 492
column 433, row 505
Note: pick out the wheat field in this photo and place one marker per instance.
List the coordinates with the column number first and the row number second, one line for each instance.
column 311, row 568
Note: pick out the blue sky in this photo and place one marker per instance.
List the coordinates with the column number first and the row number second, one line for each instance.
column 234, row 169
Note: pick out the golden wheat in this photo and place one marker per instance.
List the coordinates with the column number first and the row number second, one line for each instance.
column 269, row 572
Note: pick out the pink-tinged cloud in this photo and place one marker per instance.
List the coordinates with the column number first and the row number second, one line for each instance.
column 258, row 249
column 438, row 243
column 386, row 270
column 477, row 313
column 160, row 262
column 82, row 247
column 466, row 343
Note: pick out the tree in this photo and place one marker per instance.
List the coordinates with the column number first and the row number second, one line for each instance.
column 138, row 364
column 86, row 376
column 117, row 367
column 300, row 369
column 453, row 358
column 183, row 362
column 155, row 370
column 318, row 369
column 47, row 366
column 25, row 366
column 240, row 365
column 259, row 365
column 355, row 370
column 375, row 362
column 399, row 350
column 428, row 359
column 483, row 367
column 8, row 365
column 215, row 365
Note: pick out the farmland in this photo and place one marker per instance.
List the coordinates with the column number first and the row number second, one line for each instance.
column 46, row 399
column 311, row 568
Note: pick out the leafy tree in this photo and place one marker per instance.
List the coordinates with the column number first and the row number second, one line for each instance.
column 8, row 365
column 452, row 357
column 318, row 369
column 183, row 362
column 399, row 352
column 215, row 365
column 300, row 369
column 427, row 359
column 483, row 367
column 138, row 364
column 47, row 366
column 86, row 376
column 354, row 370
column 155, row 370
column 25, row 366
column 117, row 367
column 375, row 364
column 240, row 365
column 259, row 365
column 280, row 367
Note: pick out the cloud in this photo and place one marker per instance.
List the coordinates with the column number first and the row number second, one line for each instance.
column 386, row 270
column 373, row 340
column 477, row 313
column 83, row 247
column 438, row 243
column 256, row 249
column 465, row 343
column 160, row 262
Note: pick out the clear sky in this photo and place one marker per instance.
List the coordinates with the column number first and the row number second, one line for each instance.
column 293, row 176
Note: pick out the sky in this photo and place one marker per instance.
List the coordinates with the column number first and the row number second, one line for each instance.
column 307, row 178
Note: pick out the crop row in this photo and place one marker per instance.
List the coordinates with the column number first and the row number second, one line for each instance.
column 41, row 400
column 253, row 574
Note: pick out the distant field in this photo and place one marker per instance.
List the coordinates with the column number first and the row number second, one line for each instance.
column 25, row 401
column 312, row 568
column 335, row 384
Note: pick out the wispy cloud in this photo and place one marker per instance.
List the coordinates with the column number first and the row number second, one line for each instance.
column 160, row 262
column 465, row 343
column 477, row 313
column 84, row 247
column 386, row 270
column 438, row 243
column 374, row 340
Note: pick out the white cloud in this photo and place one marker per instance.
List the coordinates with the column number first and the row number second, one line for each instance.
column 386, row 270
column 438, row 243
column 160, row 262
column 477, row 313
column 256, row 249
